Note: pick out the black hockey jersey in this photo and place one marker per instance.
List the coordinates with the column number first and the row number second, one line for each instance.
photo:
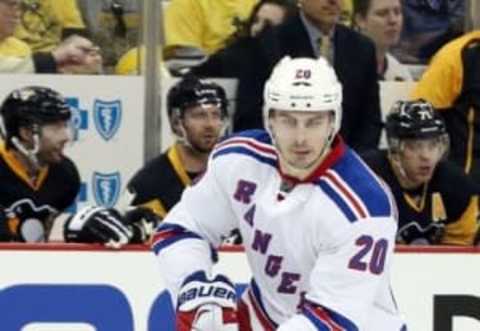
column 450, row 198
column 34, row 203
column 160, row 183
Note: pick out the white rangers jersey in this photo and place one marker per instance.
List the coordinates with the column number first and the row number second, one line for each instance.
column 320, row 253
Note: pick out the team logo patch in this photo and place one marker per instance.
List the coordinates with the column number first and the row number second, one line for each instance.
column 106, row 188
column 107, row 116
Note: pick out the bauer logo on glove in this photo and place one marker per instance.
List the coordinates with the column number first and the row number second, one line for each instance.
column 207, row 304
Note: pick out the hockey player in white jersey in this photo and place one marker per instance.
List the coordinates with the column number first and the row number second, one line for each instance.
column 318, row 226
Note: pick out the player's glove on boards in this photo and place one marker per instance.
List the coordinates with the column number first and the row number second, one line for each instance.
column 98, row 225
column 142, row 221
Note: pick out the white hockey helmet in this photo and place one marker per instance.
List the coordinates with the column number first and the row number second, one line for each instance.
column 303, row 84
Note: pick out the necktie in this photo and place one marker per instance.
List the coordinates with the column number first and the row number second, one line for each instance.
column 325, row 48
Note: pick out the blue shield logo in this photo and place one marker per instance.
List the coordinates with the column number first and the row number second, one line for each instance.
column 107, row 116
column 106, row 188
column 79, row 118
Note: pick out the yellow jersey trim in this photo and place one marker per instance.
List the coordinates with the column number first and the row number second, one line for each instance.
column 21, row 171
column 174, row 157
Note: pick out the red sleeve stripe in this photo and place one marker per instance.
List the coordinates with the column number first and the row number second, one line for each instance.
column 326, row 319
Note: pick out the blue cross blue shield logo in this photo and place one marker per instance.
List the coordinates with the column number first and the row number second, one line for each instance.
column 107, row 116
column 79, row 118
column 106, row 188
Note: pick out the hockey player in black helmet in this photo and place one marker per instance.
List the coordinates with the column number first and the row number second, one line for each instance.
column 38, row 181
column 437, row 203
column 194, row 95
column 197, row 111
column 24, row 114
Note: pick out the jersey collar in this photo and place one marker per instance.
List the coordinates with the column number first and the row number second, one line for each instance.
column 20, row 170
column 335, row 154
column 174, row 156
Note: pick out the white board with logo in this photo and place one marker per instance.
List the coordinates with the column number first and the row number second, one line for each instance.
column 108, row 121
column 85, row 288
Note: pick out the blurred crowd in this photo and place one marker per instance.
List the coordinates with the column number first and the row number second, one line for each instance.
column 107, row 34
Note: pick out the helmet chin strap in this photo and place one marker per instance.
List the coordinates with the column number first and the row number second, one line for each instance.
column 397, row 164
column 30, row 154
column 328, row 142
column 182, row 139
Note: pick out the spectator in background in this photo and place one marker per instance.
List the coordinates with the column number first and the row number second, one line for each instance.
column 45, row 23
column 346, row 13
column 197, row 112
column 16, row 56
column 202, row 27
column 128, row 63
column 451, row 83
column 266, row 14
column 437, row 203
column 382, row 20
column 122, row 15
column 428, row 25
column 115, row 26
column 269, row 13
column 352, row 56
column 9, row 19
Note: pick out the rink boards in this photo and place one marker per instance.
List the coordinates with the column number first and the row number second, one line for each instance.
column 77, row 288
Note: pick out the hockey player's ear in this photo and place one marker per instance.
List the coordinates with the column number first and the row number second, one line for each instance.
column 176, row 123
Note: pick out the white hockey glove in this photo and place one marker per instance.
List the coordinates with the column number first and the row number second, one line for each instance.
column 206, row 304
column 98, row 225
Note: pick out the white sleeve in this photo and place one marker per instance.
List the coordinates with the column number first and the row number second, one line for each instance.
column 193, row 229
column 348, row 278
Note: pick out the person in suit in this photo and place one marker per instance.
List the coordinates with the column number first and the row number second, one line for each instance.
column 352, row 55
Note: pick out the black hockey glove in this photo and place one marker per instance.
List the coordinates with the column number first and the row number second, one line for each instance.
column 234, row 238
column 98, row 225
column 142, row 221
